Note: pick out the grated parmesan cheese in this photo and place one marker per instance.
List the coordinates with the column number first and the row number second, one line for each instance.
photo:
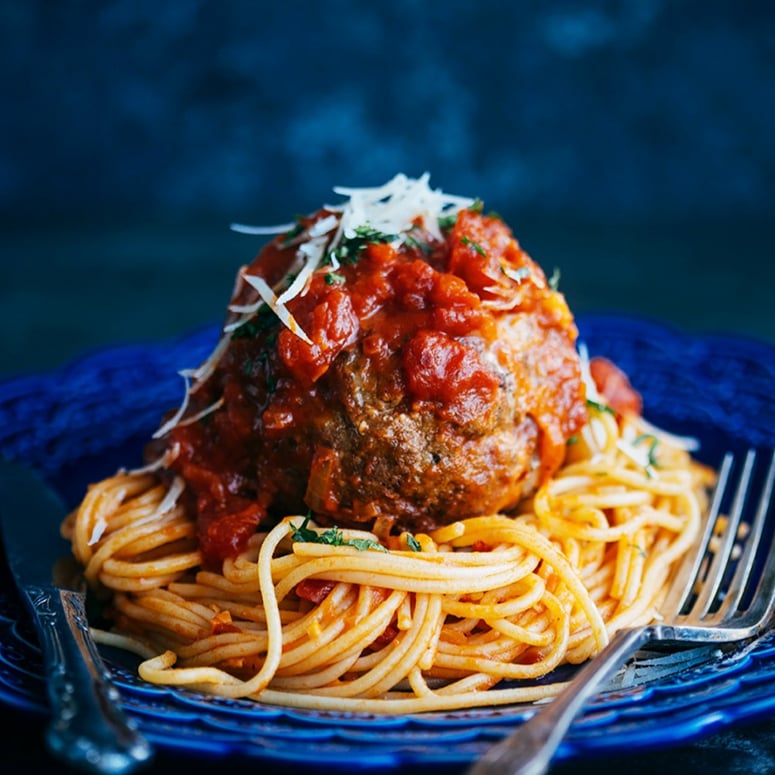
column 243, row 228
column 639, row 454
column 393, row 208
column 687, row 443
column 163, row 461
column 207, row 410
column 176, row 418
column 396, row 207
column 171, row 498
column 313, row 251
column 278, row 307
column 100, row 526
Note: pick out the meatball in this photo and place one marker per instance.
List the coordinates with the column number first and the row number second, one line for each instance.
column 415, row 379
column 413, row 463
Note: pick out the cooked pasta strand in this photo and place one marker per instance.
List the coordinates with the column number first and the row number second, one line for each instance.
column 443, row 622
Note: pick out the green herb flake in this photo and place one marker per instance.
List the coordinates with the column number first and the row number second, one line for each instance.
column 291, row 234
column 248, row 330
column 333, row 536
column 652, row 441
column 475, row 245
column 303, row 533
column 446, row 222
column 413, row 242
column 370, row 234
column 600, row 407
column 350, row 249
column 262, row 321
column 413, row 543
column 333, row 278
column 362, row 544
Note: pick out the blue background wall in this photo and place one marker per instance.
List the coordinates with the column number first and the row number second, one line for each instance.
column 620, row 140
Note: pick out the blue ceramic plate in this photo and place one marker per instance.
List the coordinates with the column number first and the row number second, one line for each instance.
column 83, row 421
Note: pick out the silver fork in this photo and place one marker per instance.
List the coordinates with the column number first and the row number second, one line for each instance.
column 717, row 596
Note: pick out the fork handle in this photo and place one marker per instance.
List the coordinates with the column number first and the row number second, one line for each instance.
column 529, row 749
column 88, row 729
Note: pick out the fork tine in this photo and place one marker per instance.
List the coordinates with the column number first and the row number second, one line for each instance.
column 683, row 584
column 745, row 565
column 721, row 555
column 529, row 749
column 763, row 604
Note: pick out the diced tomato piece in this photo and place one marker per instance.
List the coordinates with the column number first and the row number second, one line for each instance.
column 614, row 385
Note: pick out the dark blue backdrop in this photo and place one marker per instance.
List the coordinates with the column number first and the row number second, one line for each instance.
column 238, row 107
column 629, row 143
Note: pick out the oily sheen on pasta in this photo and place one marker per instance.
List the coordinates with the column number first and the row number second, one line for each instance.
column 398, row 484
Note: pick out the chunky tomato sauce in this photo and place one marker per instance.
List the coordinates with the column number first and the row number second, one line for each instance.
column 438, row 351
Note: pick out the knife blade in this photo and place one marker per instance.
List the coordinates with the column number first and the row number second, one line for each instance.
column 88, row 729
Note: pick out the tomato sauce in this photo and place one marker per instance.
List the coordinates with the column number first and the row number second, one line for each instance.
column 421, row 321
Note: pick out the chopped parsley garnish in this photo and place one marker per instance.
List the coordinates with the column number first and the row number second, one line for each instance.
column 333, row 536
column 291, row 234
column 413, row 543
column 413, row 242
column 600, row 407
column 332, row 278
column 475, row 245
column 247, row 330
column 350, row 249
column 446, row 222
column 263, row 320
column 652, row 441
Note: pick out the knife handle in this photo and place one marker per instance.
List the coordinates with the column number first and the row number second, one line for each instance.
column 88, row 728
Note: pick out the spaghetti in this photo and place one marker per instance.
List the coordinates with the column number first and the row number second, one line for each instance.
column 452, row 602
column 408, row 628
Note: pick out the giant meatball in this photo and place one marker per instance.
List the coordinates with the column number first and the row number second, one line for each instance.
column 411, row 380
